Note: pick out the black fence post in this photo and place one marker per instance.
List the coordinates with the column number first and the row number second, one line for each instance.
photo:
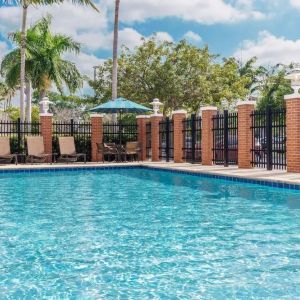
column 167, row 139
column 269, row 138
column 19, row 134
column 193, row 133
column 72, row 127
column 226, row 131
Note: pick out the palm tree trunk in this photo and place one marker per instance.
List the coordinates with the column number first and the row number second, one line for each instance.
column 115, row 53
column 29, row 101
column 23, row 60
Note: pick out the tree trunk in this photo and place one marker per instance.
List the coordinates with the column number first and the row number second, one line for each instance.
column 23, row 60
column 28, row 101
column 115, row 53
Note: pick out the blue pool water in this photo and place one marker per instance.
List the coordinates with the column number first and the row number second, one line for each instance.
column 141, row 234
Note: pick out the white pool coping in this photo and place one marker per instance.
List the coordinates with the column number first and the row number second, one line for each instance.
column 278, row 176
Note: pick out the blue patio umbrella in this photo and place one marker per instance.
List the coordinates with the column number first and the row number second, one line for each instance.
column 120, row 105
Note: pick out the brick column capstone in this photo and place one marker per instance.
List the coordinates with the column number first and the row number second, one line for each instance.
column 97, row 135
column 207, row 134
column 155, row 119
column 141, row 122
column 293, row 133
column 178, row 117
column 46, row 133
column 245, row 108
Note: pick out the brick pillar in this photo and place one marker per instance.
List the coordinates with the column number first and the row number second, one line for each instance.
column 245, row 108
column 155, row 119
column 207, row 134
column 46, row 132
column 141, row 122
column 293, row 133
column 178, row 117
column 97, row 135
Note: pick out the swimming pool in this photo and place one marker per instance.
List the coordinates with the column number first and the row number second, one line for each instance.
column 146, row 234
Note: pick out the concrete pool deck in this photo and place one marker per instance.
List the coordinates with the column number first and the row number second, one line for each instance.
column 278, row 176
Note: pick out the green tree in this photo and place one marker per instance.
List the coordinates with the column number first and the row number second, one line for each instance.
column 44, row 63
column 25, row 4
column 180, row 75
column 273, row 87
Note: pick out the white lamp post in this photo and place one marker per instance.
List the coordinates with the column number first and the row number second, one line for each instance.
column 44, row 105
column 156, row 105
column 294, row 76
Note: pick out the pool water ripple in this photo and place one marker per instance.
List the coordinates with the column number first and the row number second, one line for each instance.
column 141, row 234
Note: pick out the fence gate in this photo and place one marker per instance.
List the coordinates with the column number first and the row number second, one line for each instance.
column 148, row 141
column 166, row 140
column 269, row 139
column 192, row 139
column 120, row 133
column 225, row 139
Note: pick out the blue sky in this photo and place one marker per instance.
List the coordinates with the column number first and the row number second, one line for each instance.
column 268, row 29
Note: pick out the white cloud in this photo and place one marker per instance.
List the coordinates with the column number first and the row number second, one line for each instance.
column 270, row 49
column 192, row 36
column 201, row 11
column 85, row 62
column 295, row 3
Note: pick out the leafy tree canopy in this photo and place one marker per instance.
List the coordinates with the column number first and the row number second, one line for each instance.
column 180, row 75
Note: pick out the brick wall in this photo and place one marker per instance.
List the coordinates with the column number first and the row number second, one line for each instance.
column 46, row 132
column 97, row 136
column 245, row 109
column 293, row 134
column 207, row 135
column 178, row 117
column 155, row 119
column 141, row 122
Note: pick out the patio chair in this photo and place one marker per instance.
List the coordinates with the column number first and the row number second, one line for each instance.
column 5, row 153
column 68, row 151
column 132, row 149
column 109, row 150
column 36, row 150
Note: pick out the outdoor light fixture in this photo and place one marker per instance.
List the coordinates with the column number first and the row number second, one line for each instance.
column 156, row 105
column 294, row 76
column 44, row 105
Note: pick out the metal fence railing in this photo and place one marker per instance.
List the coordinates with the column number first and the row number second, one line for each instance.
column 81, row 131
column 148, row 141
column 166, row 140
column 192, row 139
column 17, row 132
column 269, row 139
column 120, row 133
column 225, row 139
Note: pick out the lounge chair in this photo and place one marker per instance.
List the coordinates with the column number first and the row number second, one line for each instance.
column 5, row 154
column 109, row 150
column 36, row 150
column 132, row 149
column 68, row 151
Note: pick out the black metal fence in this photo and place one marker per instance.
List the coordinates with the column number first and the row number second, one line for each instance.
column 17, row 132
column 148, row 141
column 192, row 139
column 225, row 139
column 269, row 139
column 81, row 131
column 120, row 133
column 166, row 139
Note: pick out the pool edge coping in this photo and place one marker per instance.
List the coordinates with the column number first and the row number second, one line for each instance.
column 270, row 182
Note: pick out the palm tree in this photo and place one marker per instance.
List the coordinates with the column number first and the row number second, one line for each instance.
column 25, row 4
column 43, row 64
column 115, row 52
column 6, row 95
